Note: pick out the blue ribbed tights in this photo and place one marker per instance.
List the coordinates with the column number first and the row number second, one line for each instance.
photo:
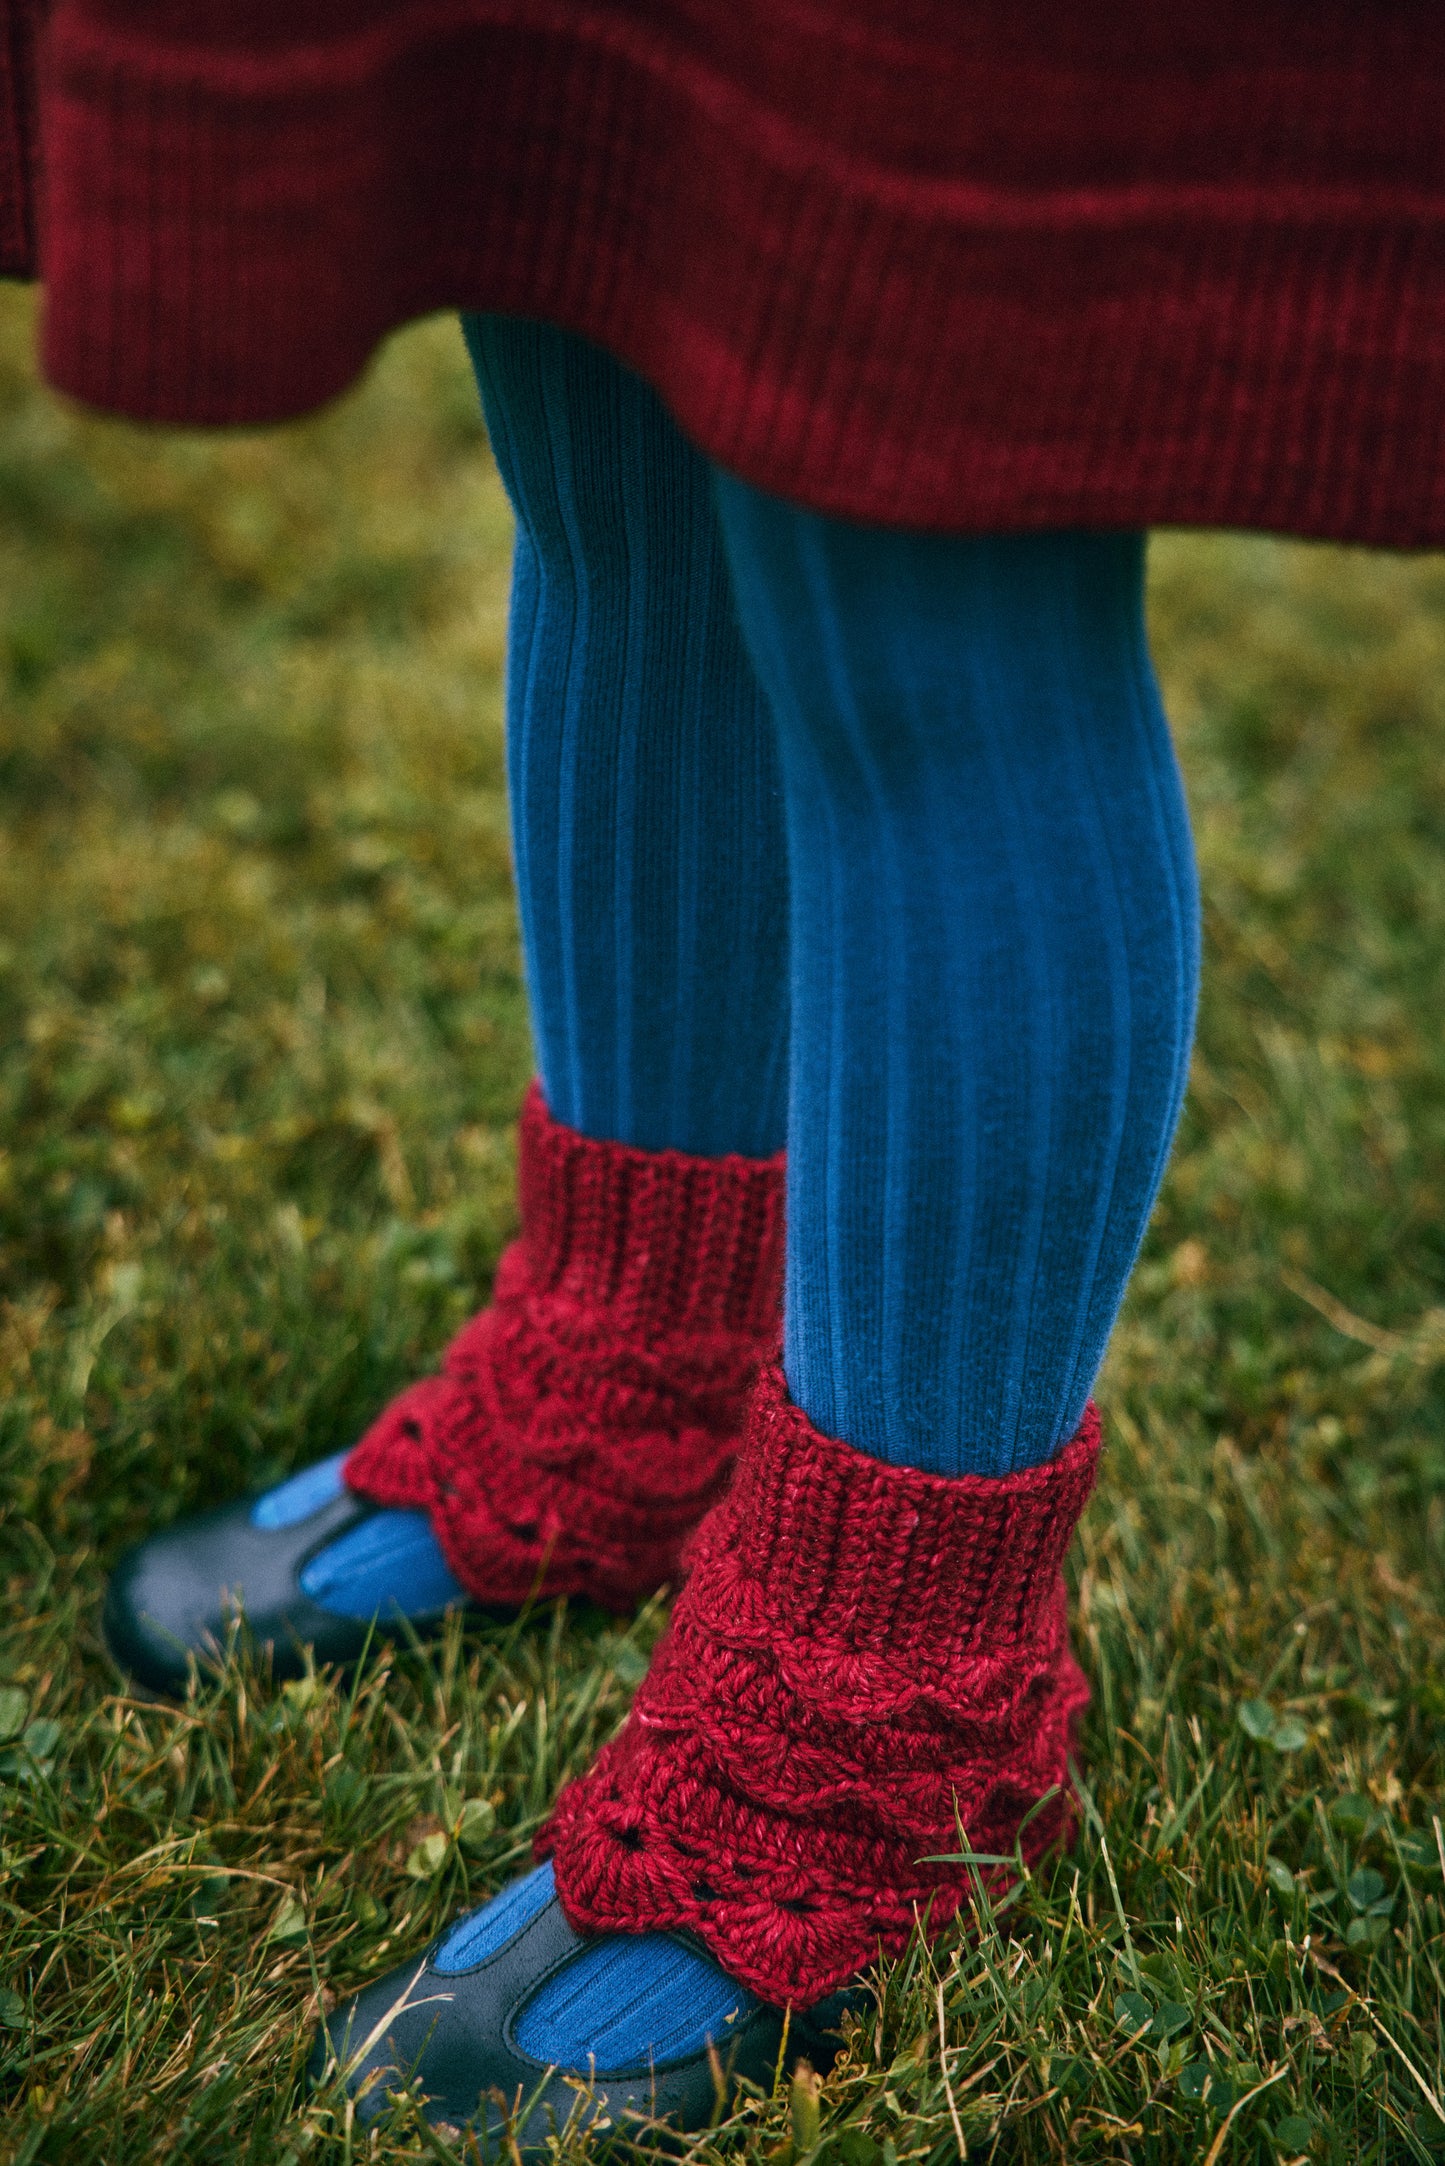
column 646, row 802
column 994, row 940
column 962, row 773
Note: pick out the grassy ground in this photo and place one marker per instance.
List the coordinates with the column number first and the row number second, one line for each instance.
column 261, row 1036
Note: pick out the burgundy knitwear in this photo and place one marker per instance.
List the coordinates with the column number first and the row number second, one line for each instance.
column 583, row 1424
column 864, row 1660
column 968, row 265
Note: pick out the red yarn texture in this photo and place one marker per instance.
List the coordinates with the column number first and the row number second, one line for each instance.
column 863, row 1658
column 982, row 267
column 583, row 1424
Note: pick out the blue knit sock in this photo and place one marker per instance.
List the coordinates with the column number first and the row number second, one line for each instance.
column 625, row 2001
column 388, row 1565
column 994, row 963
column 646, row 814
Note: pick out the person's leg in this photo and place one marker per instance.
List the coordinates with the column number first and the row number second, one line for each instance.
column 585, row 1421
column 646, row 800
column 995, row 957
column 630, row 1318
column 994, row 936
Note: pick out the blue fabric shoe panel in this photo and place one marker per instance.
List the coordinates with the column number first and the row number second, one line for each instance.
column 299, row 1497
column 390, row 1563
column 629, row 2001
column 484, row 1931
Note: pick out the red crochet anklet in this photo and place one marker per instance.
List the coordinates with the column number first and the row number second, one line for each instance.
column 583, row 1423
column 863, row 1659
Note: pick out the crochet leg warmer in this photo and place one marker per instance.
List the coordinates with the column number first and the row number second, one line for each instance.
column 584, row 1422
column 864, row 1659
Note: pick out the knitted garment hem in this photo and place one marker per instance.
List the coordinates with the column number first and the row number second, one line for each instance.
column 1196, row 279
column 586, row 1420
column 865, row 1663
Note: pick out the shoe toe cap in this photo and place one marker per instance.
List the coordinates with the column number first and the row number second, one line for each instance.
column 175, row 1596
column 157, row 1615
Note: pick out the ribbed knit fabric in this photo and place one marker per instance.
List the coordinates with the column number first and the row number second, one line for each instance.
column 624, row 2000
column 583, row 1424
column 1019, row 264
column 483, row 1932
column 864, row 1659
column 994, row 960
column 628, row 2001
column 646, row 805
column 391, row 1564
column 387, row 1566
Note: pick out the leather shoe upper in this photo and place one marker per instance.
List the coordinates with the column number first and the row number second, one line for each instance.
column 455, row 2033
column 175, row 1595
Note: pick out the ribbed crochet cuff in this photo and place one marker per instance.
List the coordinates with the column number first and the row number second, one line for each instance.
column 888, row 1560
column 584, row 1422
column 663, row 1241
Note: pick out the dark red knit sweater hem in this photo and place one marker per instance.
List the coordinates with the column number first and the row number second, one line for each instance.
column 585, row 1421
column 865, row 1663
column 1042, row 268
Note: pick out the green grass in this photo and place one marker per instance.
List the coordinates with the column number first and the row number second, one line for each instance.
column 261, row 1038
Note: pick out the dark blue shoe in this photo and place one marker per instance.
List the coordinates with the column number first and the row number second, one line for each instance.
column 309, row 1565
column 511, row 2013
